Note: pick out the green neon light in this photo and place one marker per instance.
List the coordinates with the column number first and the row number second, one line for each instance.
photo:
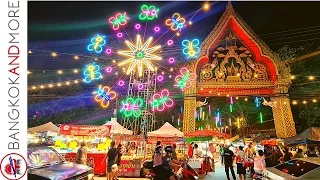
column 132, row 107
column 261, row 117
column 148, row 12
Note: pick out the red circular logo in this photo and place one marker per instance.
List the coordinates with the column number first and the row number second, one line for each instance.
column 13, row 166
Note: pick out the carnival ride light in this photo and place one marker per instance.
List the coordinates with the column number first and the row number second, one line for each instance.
column 148, row 12
column 184, row 79
column 191, row 48
column 119, row 19
column 132, row 107
column 161, row 100
column 92, row 72
column 104, row 95
column 97, row 43
column 176, row 22
column 140, row 55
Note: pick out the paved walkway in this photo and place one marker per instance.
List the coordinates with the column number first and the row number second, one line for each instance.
column 219, row 174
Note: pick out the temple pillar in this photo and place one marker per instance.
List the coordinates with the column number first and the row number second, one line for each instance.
column 283, row 119
column 189, row 120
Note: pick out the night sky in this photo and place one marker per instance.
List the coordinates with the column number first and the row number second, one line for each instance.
column 67, row 27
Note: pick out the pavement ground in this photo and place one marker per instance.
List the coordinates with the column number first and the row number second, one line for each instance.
column 219, row 174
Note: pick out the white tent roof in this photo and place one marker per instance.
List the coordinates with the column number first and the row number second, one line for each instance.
column 167, row 130
column 44, row 128
column 116, row 128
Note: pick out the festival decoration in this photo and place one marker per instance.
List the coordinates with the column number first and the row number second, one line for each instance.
column 157, row 29
column 137, row 26
column 261, row 117
column 176, row 22
column 231, row 104
column 119, row 35
column 92, row 72
column 257, row 102
column 170, row 42
column 160, row 78
column 104, row 95
column 191, row 48
column 161, row 101
column 140, row 55
column 132, row 107
column 119, row 19
column 140, row 86
column 171, row 60
column 108, row 51
column 148, row 12
column 108, row 69
column 184, row 79
column 97, row 43
column 121, row 83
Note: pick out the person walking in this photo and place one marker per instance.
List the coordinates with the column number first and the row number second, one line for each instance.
column 118, row 160
column 174, row 154
column 195, row 153
column 241, row 170
column 111, row 160
column 227, row 159
column 259, row 165
column 82, row 154
column 212, row 151
column 190, row 150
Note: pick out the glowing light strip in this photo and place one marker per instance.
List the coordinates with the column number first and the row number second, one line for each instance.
column 261, row 117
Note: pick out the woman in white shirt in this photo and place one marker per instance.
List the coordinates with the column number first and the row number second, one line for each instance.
column 195, row 151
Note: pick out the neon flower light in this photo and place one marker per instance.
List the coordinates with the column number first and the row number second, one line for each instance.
column 170, row 42
column 157, row 29
column 97, row 43
column 121, row 83
column 161, row 101
column 132, row 107
column 171, row 60
column 140, row 55
column 104, row 95
column 119, row 35
column 119, row 19
column 108, row 69
column 148, row 12
column 160, row 78
column 137, row 26
column 184, row 79
column 91, row 72
column 108, row 51
column 191, row 48
column 176, row 22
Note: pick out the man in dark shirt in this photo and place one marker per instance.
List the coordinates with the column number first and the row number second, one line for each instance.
column 227, row 158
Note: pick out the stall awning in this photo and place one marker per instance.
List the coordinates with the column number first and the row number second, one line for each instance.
column 207, row 133
column 44, row 128
column 116, row 128
column 167, row 130
column 309, row 136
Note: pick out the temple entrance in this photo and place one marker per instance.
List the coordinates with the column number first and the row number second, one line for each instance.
column 234, row 62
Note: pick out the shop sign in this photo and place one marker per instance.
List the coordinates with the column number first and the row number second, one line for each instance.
column 81, row 130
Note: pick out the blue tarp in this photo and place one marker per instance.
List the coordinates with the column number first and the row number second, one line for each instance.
column 309, row 136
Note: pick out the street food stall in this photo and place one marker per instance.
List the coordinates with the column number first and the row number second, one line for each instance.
column 97, row 140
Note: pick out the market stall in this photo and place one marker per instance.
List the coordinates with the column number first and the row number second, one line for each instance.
column 43, row 133
column 97, row 140
column 116, row 128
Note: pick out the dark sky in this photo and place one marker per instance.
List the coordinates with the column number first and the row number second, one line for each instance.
column 68, row 26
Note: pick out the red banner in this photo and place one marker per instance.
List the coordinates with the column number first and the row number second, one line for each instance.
column 82, row 130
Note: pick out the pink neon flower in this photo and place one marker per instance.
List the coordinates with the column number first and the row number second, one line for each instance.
column 161, row 101
column 120, row 19
column 184, row 79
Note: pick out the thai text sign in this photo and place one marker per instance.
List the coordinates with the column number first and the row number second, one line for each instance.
column 81, row 130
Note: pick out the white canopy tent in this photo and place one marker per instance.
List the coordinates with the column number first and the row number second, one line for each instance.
column 116, row 128
column 167, row 130
column 45, row 128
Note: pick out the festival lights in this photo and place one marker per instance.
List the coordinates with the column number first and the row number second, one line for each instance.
column 140, row 55
column 92, row 72
column 184, row 79
column 191, row 48
column 161, row 100
column 104, row 95
column 137, row 26
column 132, row 107
column 157, row 29
column 148, row 12
column 119, row 19
column 171, row 60
column 76, row 57
column 140, row 86
column 121, row 83
column 97, row 43
column 108, row 69
column 170, row 42
column 119, row 35
column 108, row 51
column 261, row 117
column 257, row 102
column 176, row 22
column 160, row 78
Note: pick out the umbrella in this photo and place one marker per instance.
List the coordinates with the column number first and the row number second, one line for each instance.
column 207, row 133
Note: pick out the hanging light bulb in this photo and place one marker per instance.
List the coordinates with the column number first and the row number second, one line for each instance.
column 76, row 57
column 53, row 54
column 76, row 81
column 60, row 72
column 75, row 71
